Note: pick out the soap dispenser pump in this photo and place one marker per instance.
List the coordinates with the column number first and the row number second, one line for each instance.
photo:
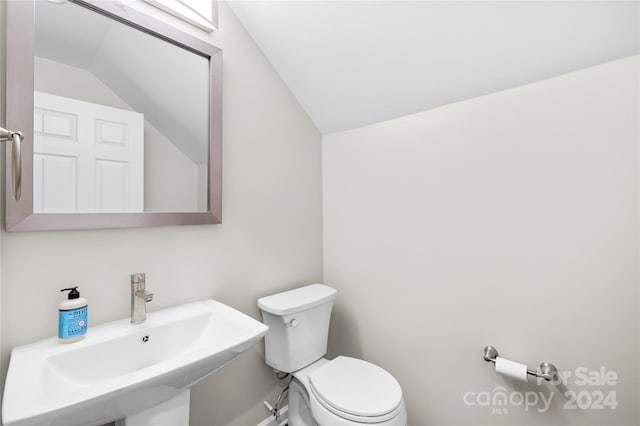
column 72, row 317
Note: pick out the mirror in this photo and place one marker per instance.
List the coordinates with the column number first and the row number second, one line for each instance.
column 124, row 127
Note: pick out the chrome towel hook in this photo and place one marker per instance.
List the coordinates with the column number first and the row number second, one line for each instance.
column 16, row 158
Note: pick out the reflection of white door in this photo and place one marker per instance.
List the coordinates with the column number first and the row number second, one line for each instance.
column 86, row 157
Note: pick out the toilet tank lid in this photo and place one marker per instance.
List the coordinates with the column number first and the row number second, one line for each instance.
column 297, row 300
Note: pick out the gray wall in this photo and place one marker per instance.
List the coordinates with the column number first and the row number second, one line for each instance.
column 270, row 238
column 510, row 219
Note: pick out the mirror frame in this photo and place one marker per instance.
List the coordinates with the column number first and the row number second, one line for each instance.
column 19, row 215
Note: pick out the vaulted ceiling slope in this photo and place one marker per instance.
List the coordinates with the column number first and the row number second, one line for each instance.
column 353, row 63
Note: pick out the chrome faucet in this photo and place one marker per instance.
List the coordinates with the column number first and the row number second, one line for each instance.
column 139, row 298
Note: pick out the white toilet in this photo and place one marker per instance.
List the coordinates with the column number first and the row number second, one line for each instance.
column 343, row 391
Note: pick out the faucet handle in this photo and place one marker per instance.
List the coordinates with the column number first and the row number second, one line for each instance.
column 148, row 296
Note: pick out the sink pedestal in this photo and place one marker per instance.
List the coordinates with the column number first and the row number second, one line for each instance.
column 174, row 412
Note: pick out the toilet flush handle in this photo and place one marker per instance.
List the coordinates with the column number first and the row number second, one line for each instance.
column 292, row 323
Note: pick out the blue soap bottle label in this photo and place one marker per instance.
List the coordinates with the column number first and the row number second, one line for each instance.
column 72, row 322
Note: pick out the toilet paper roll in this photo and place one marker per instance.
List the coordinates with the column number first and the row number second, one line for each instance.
column 511, row 369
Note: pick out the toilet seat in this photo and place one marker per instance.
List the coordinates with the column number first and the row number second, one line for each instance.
column 356, row 390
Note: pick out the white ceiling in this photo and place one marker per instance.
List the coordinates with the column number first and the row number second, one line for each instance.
column 353, row 63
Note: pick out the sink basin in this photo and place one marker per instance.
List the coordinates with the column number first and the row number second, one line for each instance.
column 120, row 369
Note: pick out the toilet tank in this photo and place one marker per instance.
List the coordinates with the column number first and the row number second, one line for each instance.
column 298, row 323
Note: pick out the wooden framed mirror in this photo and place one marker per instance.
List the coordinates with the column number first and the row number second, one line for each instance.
column 122, row 118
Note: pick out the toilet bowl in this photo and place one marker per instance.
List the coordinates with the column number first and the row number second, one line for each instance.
column 342, row 391
column 345, row 391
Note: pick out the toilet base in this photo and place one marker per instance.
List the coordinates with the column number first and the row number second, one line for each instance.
column 299, row 408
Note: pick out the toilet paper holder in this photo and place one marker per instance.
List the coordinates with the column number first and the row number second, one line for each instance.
column 548, row 371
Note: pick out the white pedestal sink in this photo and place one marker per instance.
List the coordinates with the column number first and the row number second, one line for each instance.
column 122, row 371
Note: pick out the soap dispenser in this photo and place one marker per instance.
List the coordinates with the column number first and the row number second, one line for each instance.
column 72, row 317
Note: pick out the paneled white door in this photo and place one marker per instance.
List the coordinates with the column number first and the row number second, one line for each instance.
column 87, row 157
